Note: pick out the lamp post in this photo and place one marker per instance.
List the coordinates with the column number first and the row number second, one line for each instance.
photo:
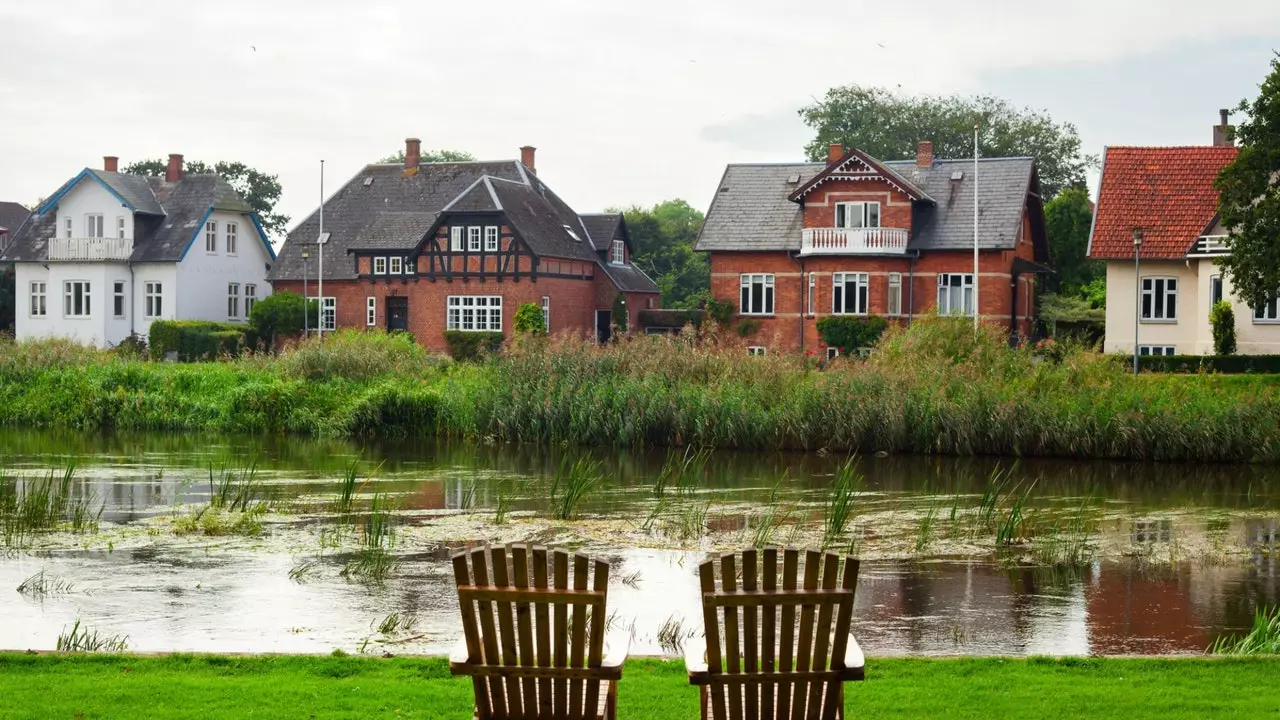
column 306, row 255
column 1137, row 292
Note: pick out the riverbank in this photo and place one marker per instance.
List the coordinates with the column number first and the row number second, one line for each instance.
column 932, row 389
column 213, row 687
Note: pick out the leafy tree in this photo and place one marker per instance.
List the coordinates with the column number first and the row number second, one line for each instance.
column 282, row 313
column 1223, row 319
column 529, row 320
column 432, row 156
column 663, row 236
column 1068, row 218
column 1249, row 198
column 261, row 190
column 889, row 125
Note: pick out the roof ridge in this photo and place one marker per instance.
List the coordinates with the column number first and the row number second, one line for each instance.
column 1172, row 147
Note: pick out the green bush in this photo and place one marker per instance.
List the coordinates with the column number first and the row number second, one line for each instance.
column 720, row 310
column 282, row 313
column 466, row 346
column 195, row 339
column 849, row 332
column 620, row 315
column 1226, row 364
column 529, row 319
column 1223, row 319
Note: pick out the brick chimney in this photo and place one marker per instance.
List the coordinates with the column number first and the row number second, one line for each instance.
column 526, row 158
column 110, row 163
column 1224, row 135
column 924, row 154
column 835, row 151
column 174, row 174
column 412, row 153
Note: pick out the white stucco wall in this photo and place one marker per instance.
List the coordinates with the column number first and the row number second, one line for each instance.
column 90, row 197
column 202, row 277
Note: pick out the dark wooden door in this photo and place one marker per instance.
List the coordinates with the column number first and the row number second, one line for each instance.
column 604, row 325
column 397, row 313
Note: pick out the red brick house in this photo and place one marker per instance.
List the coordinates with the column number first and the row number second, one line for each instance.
column 792, row 243
column 430, row 247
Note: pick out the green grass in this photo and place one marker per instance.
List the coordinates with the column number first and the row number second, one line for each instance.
column 213, row 688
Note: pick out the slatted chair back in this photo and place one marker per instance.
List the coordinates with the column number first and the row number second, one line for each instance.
column 776, row 637
column 534, row 632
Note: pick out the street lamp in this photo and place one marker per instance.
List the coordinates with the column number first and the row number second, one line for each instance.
column 306, row 255
column 1137, row 293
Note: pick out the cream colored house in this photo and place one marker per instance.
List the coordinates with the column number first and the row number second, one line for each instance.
column 1168, row 193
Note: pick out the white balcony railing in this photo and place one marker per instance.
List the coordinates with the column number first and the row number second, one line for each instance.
column 1211, row 245
column 853, row 241
column 90, row 249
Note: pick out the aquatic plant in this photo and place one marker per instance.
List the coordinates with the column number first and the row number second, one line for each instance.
column 40, row 585
column 768, row 521
column 45, row 504
column 303, row 570
column 374, row 561
column 839, row 507
column 234, row 490
column 1011, row 524
column 682, row 470
column 924, row 530
column 1262, row 639
column 501, row 508
column 571, row 484
column 395, row 623
column 82, row 639
column 215, row 521
column 631, row 579
column 673, row 634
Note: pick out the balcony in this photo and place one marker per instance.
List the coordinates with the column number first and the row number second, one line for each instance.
column 90, row 249
column 853, row 241
column 1210, row 246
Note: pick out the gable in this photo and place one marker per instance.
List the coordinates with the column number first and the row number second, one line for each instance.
column 858, row 167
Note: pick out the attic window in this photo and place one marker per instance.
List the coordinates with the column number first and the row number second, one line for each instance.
column 957, row 175
column 793, row 179
column 572, row 234
column 368, row 181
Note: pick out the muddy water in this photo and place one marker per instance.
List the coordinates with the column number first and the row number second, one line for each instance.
column 1178, row 555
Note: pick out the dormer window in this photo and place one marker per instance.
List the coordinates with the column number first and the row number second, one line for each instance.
column 455, row 239
column 397, row 265
column 491, row 238
column 473, row 238
column 379, row 266
column 93, row 226
column 858, row 215
column 618, row 256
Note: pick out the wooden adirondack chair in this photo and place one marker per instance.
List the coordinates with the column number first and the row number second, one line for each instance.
column 754, row 665
column 544, row 658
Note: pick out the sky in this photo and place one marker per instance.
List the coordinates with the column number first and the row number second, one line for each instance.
column 627, row 103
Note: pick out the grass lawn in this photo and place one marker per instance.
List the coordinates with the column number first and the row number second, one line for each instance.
column 211, row 687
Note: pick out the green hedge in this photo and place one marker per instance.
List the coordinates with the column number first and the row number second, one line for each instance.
column 849, row 332
column 196, row 339
column 1230, row 364
column 465, row 345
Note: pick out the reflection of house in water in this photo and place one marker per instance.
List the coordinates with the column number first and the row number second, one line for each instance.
column 1149, row 531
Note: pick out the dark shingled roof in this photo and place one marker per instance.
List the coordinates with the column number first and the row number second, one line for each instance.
column 602, row 228
column 12, row 215
column 136, row 190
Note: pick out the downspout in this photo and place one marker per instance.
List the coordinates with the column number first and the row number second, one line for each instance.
column 804, row 288
column 132, row 289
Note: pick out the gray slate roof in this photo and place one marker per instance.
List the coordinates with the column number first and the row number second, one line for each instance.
column 135, row 189
column 12, row 215
column 751, row 210
column 602, row 227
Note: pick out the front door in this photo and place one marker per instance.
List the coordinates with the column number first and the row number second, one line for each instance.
column 397, row 313
column 604, row 325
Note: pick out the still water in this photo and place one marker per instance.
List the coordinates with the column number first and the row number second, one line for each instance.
column 1180, row 554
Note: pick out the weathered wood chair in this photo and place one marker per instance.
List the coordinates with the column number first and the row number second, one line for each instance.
column 544, row 658
column 761, row 668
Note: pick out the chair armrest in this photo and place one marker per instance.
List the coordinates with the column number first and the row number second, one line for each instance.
column 695, row 656
column 616, row 654
column 854, row 659
column 459, row 654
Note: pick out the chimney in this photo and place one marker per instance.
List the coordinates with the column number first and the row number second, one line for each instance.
column 924, row 154
column 174, row 174
column 526, row 158
column 835, row 151
column 110, row 163
column 412, row 153
column 1224, row 135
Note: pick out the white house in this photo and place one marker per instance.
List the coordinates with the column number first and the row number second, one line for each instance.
column 109, row 252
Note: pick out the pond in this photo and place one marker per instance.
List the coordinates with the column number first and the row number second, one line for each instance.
column 959, row 556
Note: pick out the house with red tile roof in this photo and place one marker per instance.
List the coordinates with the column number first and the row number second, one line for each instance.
column 1168, row 193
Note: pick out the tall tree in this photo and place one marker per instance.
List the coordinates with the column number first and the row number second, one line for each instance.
column 1068, row 218
column 663, row 237
column 433, row 156
column 261, row 190
column 889, row 125
column 1249, row 198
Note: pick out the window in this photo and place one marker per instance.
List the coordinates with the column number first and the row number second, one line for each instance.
column 755, row 350
column 1267, row 312
column 1156, row 350
column 833, row 353
column 211, row 237
column 67, row 225
column 75, row 298
column 153, row 299
column 120, row 227
column 1160, row 299
column 813, row 285
column 475, row 313
column 117, row 299
column 473, row 239
column 250, row 299
column 955, row 294
column 619, row 254
column 546, row 313
column 757, row 295
column 893, row 306
column 233, row 300
column 455, row 239
column 397, row 265
column 849, row 293
column 38, row 306
column 1215, row 290
column 232, row 231
column 491, row 238
column 371, row 311
column 379, row 266
column 409, row 266
column 858, row 215
column 328, row 313
column 93, row 226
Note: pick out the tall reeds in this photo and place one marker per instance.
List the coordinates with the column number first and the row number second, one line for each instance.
column 1262, row 639
column 839, row 507
column 571, row 484
column 44, row 504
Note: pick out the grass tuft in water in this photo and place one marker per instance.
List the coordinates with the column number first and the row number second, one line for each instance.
column 683, row 470
column 673, row 634
column 82, row 639
column 374, row 563
column 924, row 530
column 40, row 585
column 45, row 504
column 234, row 490
column 839, row 508
column 396, row 623
column 572, row 483
column 1263, row 639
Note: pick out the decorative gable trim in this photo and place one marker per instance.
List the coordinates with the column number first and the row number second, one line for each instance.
column 858, row 166
column 53, row 201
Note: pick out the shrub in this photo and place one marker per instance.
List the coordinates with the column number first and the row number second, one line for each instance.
column 529, row 320
column 195, row 339
column 850, row 332
column 282, row 313
column 620, row 313
column 355, row 355
column 465, row 346
column 1223, row 319
column 720, row 310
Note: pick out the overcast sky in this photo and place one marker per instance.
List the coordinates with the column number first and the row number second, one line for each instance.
column 626, row 102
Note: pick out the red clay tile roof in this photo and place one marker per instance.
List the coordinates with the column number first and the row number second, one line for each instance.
column 1167, row 191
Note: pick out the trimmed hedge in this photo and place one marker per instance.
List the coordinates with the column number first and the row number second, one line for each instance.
column 849, row 332
column 195, row 339
column 1227, row 364
column 464, row 345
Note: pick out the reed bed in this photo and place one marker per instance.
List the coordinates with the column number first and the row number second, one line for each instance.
column 43, row 504
column 1262, row 639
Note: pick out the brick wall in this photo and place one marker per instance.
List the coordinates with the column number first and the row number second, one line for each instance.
column 820, row 205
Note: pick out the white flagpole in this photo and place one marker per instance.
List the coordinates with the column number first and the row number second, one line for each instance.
column 320, row 272
column 976, row 312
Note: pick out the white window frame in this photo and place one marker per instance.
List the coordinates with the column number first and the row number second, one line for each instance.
column 857, row 215
column 1157, row 292
column 380, row 265
column 893, row 302
column 211, row 237
column 746, row 294
column 39, row 299
column 117, row 299
column 756, row 351
column 1157, row 350
column 371, row 311
column 1215, row 288
column 120, row 226
column 546, row 314
column 93, row 225
column 474, row 313
column 456, row 242
column 153, row 300
column 250, row 298
column 618, row 254
column 1267, row 313
column 833, row 353
column 813, row 289
column 491, row 238
column 232, row 233
column 409, row 266
column 965, row 286
column 77, row 289
column 473, row 238
column 233, row 301
column 328, row 314
column 69, row 231
column 395, row 265
column 840, row 284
